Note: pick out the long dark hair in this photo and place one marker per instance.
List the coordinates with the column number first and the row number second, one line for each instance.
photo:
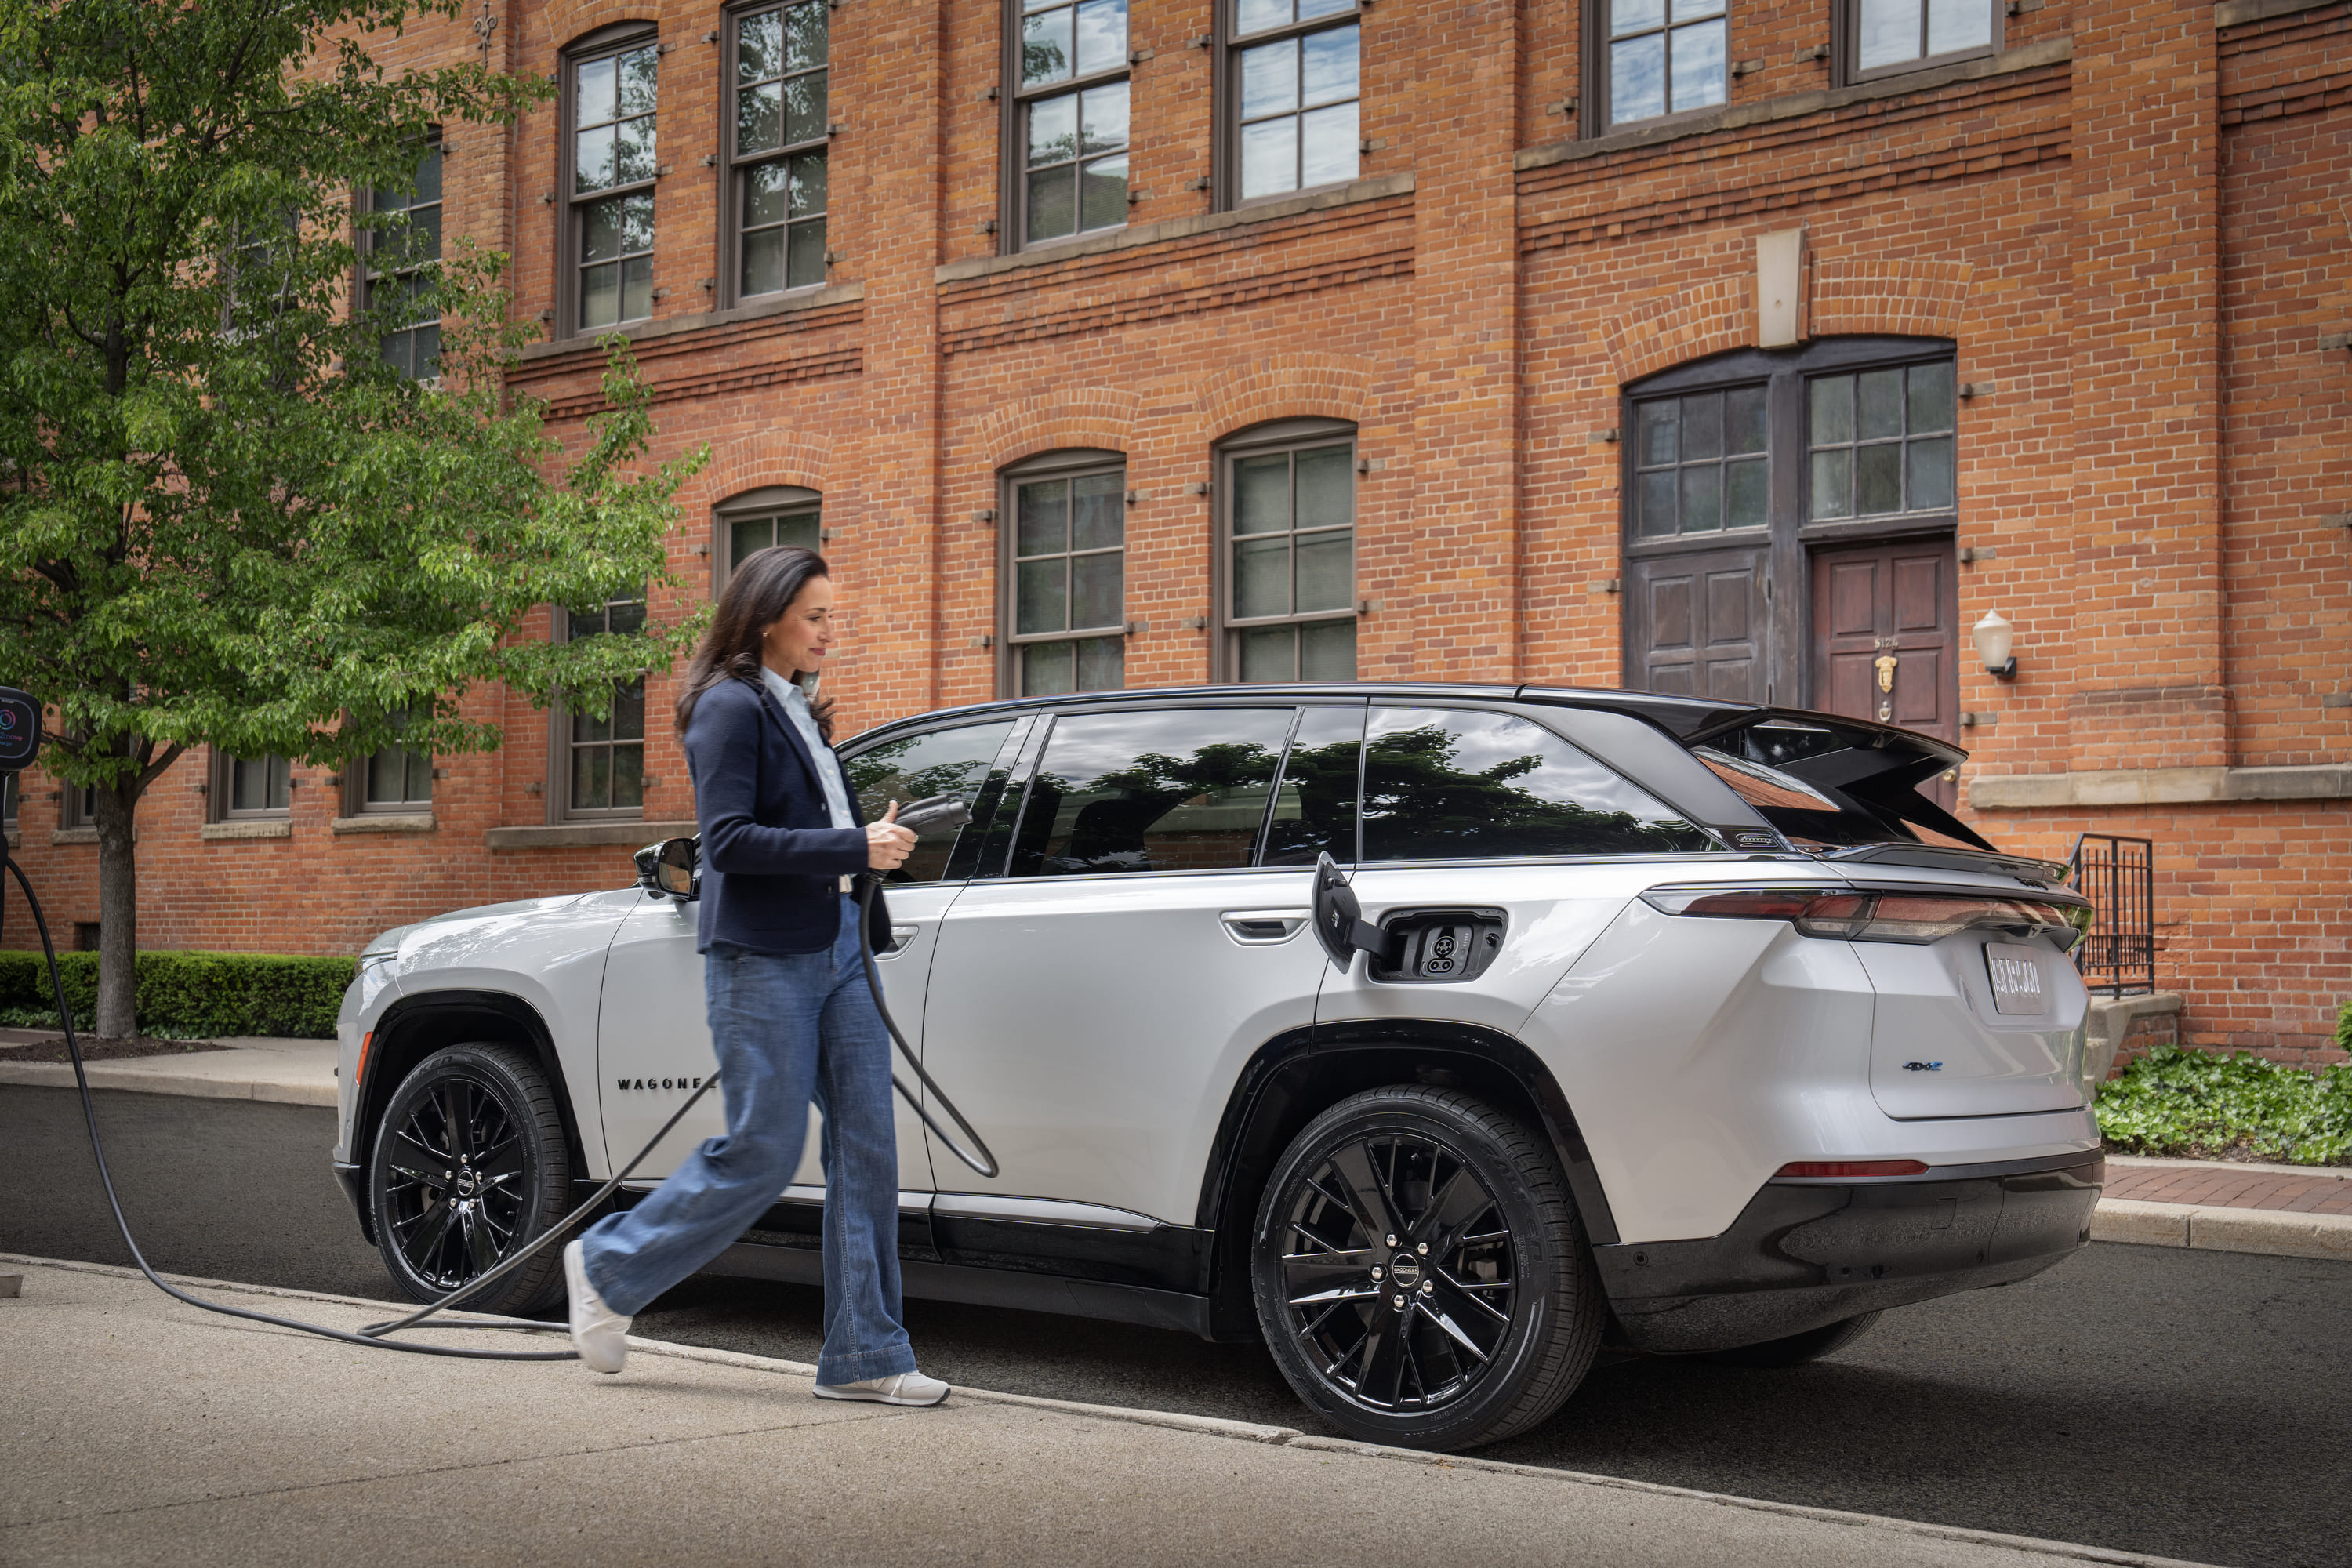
column 761, row 588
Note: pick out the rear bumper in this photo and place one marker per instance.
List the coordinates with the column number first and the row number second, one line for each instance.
column 1804, row 1254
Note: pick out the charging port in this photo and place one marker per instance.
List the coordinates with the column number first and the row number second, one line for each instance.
column 1439, row 947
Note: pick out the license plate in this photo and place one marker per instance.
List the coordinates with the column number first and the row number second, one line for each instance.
column 2016, row 977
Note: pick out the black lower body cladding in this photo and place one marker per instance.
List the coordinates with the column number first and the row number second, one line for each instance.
column 1804, row 1253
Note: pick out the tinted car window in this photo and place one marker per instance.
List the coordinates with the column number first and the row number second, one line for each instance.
column 944, row 762
column 1315, row 804
column 1181, row 790
column 1455, row 784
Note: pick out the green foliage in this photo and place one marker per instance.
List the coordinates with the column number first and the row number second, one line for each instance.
column 2197, row 1103
column 2344, row 1027
column 188, row 994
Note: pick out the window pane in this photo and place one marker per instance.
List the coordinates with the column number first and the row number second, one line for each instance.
column 638, row 71
column 747, row 535
column 591, row 159
column 1878, row 403
column 1096, row 590
column 806, row 530
column 1326, row 571
column 806, row 263
column 1958, row 25
column 764, row 186
column 758, row 45
column 1102, row 192
column 1097, row 510
column 1262, row 494
column 1657, row 498
column 764, row 262
column 945, row 761
column 1745, row 493
column 1877, row 479
column 1256, row 16
column 1327, row 651
column 628, row 776
column 592, row 778
column 1315, row 809
column 1887, row 33
column 1637, row 78
column 1699, row 78
column 808, row 184
column 629, row 711
column 632, row 156
column 637, row 289
column 1046, row 669
column 1743, row 419
column 1930, row 475
column 1659, row 432
column 636, row 224
column 1269, row 653
column 1636, row 16
column 1931, row 397
column 805, row 43
column 1052, row 203
column 804, row 108
column 1054, row 129
column 1702, row 497
column 1683, row 10
column 1270, row 79
column 1831, row 404
column 1270, row 157
column 1261, row 576
column 1450, row 784
column 1041, row 596
column 1326, row 66
column 600, row 295
column 1102, row 664
column 759, row 119
column 594, row 97
column 1327, row 482
column 1101, row 35
column 1044, row 523
column 1106, row 118
column 1310, row 9
column 1121, row 793
column 1045, row 47
column 1702, row 427
column 1327, row 145
column 1833, row 484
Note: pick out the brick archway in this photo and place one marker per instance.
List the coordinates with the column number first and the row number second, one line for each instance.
column 568, row 19
column 1857, row 297
column 752, row 462
column 1329, row 386
column 1704, row 319
column 1075, row 417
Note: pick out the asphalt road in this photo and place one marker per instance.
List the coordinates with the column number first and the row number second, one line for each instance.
column 2187, row 1404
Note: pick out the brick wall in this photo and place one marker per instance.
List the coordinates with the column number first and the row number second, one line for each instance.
column 2131, row 221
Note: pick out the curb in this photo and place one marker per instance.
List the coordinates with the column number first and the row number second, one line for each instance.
column 1251, row 1432
column 123, row 1075
column 2213, row 1228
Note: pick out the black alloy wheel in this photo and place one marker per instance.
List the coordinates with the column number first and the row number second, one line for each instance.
column 469, row 1163
column 1420, row 1272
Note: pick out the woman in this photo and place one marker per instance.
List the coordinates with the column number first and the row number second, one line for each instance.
column 791, row 1015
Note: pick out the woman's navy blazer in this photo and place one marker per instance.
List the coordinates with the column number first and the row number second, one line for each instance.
column 772, row 859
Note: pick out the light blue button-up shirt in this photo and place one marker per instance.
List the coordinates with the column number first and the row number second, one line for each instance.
column 789, row 697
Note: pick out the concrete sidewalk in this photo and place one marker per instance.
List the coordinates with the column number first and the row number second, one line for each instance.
column 254, row 1067
column 140, row 1430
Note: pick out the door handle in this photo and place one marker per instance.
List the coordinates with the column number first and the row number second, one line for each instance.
column 1263, row 928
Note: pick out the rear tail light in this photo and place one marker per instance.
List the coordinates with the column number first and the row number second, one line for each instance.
column 1851, row 1168
column 1876, row 917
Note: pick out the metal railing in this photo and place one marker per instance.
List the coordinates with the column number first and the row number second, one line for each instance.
column 2118, row 876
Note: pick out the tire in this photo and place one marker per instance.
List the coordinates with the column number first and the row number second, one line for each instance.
column 447, row 1209
column 1797, row 1349
column 1502, row 1315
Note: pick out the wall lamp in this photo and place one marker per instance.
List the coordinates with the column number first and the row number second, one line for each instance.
column 1995, row 639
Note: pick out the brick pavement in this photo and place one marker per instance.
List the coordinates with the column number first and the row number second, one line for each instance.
column 2220, row 1186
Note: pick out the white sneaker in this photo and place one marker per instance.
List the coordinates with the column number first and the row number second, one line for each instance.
column 600, row 1334
column 902, row 1388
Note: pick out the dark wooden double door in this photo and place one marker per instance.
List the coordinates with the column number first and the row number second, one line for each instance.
column 1874, row 633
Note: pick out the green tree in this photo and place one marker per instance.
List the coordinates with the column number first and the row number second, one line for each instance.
column 223, row 518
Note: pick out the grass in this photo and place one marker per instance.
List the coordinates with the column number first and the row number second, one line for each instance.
column 2208, row 1106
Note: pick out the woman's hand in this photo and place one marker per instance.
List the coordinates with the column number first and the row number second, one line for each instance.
column 888, row 845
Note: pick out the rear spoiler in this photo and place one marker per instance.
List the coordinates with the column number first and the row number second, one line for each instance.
column 1875, row 769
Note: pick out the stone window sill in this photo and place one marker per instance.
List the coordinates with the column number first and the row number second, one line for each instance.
column 74, row 836
column 667, row 326
column 387, row 822
column 1795, row 105
column 279, row 828
column 1135, row 235
column 579, row 834
column 2159, row 786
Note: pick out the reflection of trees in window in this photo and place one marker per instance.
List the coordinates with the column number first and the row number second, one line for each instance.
column 1072, row 114
column 1297, row 81
column 1152, row 810
column 782, row 60
column 613, row 162
column 1425, row 800
column 945, row 761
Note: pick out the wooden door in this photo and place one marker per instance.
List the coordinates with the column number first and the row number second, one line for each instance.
column 1697, row 625
column 1886, row 635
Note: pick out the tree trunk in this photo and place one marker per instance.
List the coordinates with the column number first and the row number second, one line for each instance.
column 118, row 908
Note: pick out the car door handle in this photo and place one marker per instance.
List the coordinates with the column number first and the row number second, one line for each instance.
column 1263, row 928
column 899, row 937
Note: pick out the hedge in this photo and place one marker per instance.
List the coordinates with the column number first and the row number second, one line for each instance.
column 191, row 995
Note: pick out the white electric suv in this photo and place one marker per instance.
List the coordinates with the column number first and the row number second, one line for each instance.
column 1679, row 1026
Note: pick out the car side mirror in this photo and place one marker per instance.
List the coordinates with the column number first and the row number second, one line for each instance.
column 673, row 867
column 1339, row 922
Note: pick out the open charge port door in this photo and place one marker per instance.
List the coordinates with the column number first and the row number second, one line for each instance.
column 1438, row 947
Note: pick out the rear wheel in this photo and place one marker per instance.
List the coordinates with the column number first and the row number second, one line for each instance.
column 470, row 1163
column 1797, row 1349
column 1419, row 1273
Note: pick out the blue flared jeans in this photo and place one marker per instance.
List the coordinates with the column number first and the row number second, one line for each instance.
column 788, row 1028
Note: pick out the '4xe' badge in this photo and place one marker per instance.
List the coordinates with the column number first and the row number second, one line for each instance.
column 1923, row 1067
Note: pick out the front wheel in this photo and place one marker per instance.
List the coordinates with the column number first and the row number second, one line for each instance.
column 470, row 1163
column 1420, row 1272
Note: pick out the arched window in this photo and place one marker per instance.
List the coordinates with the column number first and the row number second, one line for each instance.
column 1063, row 565
column 777, row 514
column 1286, row 556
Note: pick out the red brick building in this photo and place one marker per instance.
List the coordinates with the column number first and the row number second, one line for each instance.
column 1737, row 346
